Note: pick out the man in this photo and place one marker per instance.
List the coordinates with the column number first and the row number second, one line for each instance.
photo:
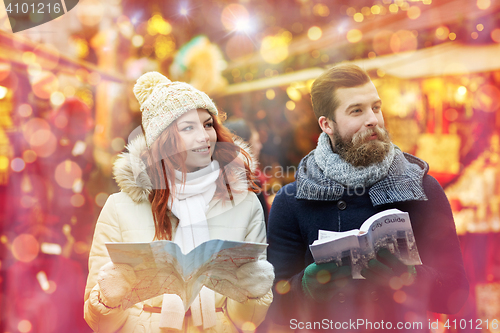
column 355, row 172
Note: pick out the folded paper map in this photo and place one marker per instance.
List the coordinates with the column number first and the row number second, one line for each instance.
column 162, row 268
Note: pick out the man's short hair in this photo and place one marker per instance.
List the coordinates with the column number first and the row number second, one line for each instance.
column 323, row 89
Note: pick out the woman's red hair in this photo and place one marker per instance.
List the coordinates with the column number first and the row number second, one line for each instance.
column 161, row 165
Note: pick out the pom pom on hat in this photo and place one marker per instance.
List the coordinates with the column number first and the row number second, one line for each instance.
column 163, row 101
column 146, row 84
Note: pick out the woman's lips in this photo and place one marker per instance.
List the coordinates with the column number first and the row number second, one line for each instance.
column 204, row 150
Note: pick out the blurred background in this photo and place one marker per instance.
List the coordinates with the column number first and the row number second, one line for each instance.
column 67, row 109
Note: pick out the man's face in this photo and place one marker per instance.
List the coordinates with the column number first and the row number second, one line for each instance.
column 358, row 134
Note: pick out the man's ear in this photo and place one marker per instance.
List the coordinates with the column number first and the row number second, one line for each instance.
column 326, row 125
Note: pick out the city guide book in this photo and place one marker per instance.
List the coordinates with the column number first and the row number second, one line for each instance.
column 389, row 229
column 162, row 268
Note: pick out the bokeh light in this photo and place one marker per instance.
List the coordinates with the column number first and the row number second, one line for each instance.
column 118, row 144
column 67, row 173
column 25, row 247
column 413, row 13
column 274, row 49
column 24, row 110
column 442, row 32
column 358, row 17
column 137, row 40
column 282, row 287
column 100, row 199
column 293, row 94
column 354, row 35
column 290, row 105
column 487, row 98
column 24, row 326
column 399, row 296
column 17, row 164
column 403, row 41
column 29, row 156
column 320, row 9
column 77, row 200
column 483, row 4
column 234, row 17
column 57, row 98
column 270, row 94
column 495, row 35
column 314, row 33
column 248, row 327
column 158, row 25
column 44, row 84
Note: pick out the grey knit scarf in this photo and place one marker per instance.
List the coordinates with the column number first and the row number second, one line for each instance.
column 402, row 181
column 344, row 173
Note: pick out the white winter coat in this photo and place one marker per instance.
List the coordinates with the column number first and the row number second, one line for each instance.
column 127, row 217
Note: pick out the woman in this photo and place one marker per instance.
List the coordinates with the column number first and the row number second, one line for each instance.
column 183, row 180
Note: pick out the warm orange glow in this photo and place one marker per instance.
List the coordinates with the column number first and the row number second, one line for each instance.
column 282, row 287
column 158, row 25
column 233, row 15
column 483, row 4
column 442, row 32
column 323, row 276
column 358, row 17
column 354, row 35
column 314, row 33
column 270, row 94
column 274, row 49
column 413, row 13
column 403, row 41
column 248, row 327
column 24, row 326
column 375, row 9
column 29, row 156
column 25, row 247
column 399, row 296
column 495, row 35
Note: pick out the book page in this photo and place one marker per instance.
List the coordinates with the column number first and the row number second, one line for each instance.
column 391, row 229
column 341, row 250
column 162, row 268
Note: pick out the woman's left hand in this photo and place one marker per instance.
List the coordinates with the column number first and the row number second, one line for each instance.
column 256, row 277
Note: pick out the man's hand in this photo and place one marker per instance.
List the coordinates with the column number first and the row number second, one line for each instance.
column 320, row 282
column 386, row 267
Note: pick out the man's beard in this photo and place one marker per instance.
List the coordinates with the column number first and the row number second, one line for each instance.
column 360, row 150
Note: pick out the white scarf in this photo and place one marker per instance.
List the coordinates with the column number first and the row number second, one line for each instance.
column 190, row 204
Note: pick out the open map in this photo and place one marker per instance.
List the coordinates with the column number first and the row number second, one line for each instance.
column 162, row 268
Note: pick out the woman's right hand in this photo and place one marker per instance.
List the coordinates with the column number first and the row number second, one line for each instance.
column 115, row 282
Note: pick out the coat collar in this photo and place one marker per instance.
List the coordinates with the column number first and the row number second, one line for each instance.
column 129, row 170
column 404, row 181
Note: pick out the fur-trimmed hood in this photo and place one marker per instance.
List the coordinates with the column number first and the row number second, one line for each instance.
column 129, row 170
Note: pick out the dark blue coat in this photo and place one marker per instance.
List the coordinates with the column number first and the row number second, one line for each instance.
column 441, row 284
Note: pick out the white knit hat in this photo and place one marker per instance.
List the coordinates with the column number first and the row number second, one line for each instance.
column 163, row 101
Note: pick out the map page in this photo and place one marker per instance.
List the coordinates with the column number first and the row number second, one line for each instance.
column 162, row 268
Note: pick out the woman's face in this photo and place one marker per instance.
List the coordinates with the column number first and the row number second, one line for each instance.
column 196, row 128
